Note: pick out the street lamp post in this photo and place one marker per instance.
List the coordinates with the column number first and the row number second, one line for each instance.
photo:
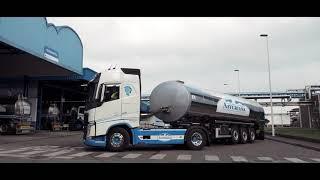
column 266, row 36
column 237, row 70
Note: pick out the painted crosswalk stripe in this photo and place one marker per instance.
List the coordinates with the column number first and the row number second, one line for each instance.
column 78, row 147
column 58, row 153
column 239, row 159
column 295, row 160
column 13, row 155
column 184, row 157
column 211, row 158
column 33, row 152
column 81, row 154
column 63, row 157
column 158, row 156
column 106, row 155
column 265, row 158
column 131, row 156
column 15, row 150
column 316, row 159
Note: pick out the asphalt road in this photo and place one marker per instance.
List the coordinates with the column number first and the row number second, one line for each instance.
column 67, row 147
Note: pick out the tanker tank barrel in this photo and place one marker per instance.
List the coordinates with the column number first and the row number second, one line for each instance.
column 190, row 102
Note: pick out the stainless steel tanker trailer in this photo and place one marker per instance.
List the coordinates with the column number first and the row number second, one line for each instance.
column 15, row 115
column 219, row 115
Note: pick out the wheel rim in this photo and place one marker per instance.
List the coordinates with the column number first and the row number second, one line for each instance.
column 253, row 136
column 3, row 128
column 235, row 135
column 116, row 140
column 244, row 136
column 196, row 139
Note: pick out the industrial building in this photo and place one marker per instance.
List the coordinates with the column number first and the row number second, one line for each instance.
column 43, row 63
column 309, row 114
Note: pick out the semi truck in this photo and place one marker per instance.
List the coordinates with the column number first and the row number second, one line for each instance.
column 114, row 118
column 15, row 115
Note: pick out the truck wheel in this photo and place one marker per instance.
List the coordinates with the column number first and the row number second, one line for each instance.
column 234, row 135
column 196, row 139
column 252, row 135
column 117, row 139
column 243, row 135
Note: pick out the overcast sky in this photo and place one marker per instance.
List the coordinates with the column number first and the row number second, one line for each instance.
column 204, row 51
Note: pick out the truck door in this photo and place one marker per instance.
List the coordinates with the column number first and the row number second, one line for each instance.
column 110, row 108
column 130, row 102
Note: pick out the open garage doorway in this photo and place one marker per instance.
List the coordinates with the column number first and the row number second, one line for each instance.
column 61, row 105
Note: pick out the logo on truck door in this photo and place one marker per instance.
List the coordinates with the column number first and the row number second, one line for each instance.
column 128, row 89
column 230, row 106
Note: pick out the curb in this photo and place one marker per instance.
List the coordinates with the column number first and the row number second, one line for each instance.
column 296, row 137
column 295, row 144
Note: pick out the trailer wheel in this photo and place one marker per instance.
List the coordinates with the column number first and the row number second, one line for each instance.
column 117, row 139
column 196, row 139
column 3, row 129
column 234, row 135
column 243, row 135
column 252, row 135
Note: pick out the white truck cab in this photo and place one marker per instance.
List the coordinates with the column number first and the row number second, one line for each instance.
column 113, row 118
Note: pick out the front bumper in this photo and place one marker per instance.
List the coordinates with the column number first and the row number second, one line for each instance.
column 99, row 141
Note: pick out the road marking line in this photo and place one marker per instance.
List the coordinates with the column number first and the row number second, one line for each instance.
column 295, row 160
column 15, row 150
column 131, row 156
column 239, row 159
column 265, row 158
column 14, row 155
column 58, row 153
column 316, row 159
column 33, row 152
column 184, row 157
column 105, row 155
column 80, row 154
column 79, row 147
column 158, row 156
column 211, row 158
column 63, row 157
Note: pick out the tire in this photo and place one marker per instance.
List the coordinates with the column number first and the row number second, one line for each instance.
column 117, row 140
column 252, row 135
column 196, row 139
column 243, row 135
column 3, row 129
column 235, row 135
